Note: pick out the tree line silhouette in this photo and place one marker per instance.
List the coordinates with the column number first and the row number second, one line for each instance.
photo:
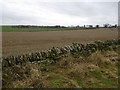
column 58, row 26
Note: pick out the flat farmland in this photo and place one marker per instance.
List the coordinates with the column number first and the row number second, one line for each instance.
column 17, row 43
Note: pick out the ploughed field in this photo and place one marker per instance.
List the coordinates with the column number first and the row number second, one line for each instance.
column 86, row 65
column 16, row 43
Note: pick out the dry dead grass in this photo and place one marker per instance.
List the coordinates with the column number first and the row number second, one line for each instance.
column 98, row 70
column 29, row 76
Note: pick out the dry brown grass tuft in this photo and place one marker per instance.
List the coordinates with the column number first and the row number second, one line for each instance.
column 97, row 70
column 32, row 77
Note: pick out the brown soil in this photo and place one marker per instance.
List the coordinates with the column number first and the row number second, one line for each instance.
column 14, row 43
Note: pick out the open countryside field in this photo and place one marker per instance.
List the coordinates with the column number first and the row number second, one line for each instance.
column 15, row 43
column 79, row 66
column 58, row 44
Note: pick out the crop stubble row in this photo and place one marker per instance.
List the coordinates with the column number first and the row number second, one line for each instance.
column 15, row 43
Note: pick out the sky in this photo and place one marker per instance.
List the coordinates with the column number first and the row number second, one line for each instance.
column 59, row 12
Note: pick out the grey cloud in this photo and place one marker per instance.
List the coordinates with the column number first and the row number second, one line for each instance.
column 63, row 13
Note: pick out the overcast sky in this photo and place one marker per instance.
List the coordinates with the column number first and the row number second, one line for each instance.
column 36, row 12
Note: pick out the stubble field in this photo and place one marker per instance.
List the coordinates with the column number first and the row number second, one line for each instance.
column 15, row 43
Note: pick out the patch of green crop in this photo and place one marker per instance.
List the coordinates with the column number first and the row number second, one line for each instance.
column 56, row 80
column 103, row 80
column 80, row 83
column 34, row 29
column 96, row 74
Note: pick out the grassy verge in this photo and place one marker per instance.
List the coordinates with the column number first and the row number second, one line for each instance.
column 34, row 29
column 97, row 71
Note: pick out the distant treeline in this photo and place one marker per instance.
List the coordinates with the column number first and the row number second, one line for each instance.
column 31, row 26
column 58, row 26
